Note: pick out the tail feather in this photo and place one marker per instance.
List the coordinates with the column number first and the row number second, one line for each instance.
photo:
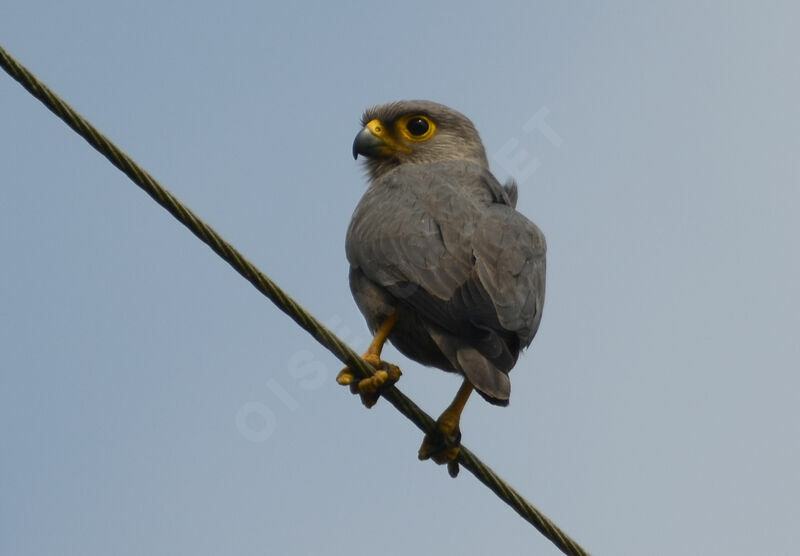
column 490, row 382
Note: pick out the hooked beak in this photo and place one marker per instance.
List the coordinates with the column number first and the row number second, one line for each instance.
column 375, row 141
column 368, row 144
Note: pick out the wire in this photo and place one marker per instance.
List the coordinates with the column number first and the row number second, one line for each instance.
column 283, row 301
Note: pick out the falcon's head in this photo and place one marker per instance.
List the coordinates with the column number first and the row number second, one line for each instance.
column 415, row 132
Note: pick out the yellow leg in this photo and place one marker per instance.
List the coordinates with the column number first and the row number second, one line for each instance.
column 442, row 444
column 368, row 387
column 373, row 353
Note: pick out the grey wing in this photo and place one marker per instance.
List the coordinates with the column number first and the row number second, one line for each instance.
column 500, row 302
column 451, row 250
column 510, row 264
column 405, row 234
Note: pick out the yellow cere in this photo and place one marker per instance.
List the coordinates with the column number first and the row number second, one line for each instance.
column 390, row 146
column 377, row 128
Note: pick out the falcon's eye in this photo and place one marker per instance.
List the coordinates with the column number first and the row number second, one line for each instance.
column 417, row 126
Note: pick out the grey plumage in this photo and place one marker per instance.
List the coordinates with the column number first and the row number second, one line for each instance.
column 437, row 238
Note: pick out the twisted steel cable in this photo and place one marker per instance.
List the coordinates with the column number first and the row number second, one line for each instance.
column 280, row 298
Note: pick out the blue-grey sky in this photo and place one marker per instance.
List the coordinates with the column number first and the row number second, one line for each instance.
column 152, row 402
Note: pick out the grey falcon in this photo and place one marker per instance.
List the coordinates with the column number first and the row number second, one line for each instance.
column 441, row 263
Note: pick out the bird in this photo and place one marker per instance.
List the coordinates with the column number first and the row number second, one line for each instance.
column 442, row 265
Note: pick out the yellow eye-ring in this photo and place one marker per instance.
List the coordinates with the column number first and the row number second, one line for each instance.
column 416, row 127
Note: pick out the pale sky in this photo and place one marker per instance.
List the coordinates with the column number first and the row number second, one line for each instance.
column 152, row 402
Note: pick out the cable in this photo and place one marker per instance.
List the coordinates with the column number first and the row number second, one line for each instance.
column 281, row 299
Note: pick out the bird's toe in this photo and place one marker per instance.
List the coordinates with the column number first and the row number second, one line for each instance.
column 370, row 388
column 442, row 445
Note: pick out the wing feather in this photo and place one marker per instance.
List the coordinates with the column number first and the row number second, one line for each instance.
column 445, row 239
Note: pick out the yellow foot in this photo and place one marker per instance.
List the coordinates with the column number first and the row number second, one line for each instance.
column 369, row 388
column 442, row 444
